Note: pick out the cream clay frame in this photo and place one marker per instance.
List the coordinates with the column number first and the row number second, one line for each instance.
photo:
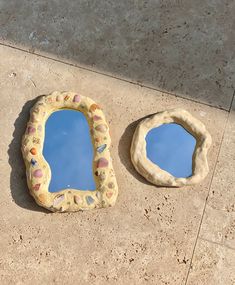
column 38, row 171
column 154, row 173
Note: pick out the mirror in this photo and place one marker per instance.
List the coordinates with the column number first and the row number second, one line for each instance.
column 171, row 147
column 68, row 149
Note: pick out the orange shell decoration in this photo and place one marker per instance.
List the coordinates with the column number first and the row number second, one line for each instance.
column 94, row 107
column 33, row 151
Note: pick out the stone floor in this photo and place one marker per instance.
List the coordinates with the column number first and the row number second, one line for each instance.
column 135, row 58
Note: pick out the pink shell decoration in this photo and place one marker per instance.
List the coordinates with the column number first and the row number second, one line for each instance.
column 102, row 162
column 59, row 98
column 97, row 118
column 109, row 194
column 101, row 128
column 77, row 98
column 38, row 173
column 36, row 187
column 58, row 200
column 77, row 199
column 31, row 130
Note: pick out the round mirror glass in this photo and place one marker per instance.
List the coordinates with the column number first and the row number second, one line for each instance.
column 171, row 147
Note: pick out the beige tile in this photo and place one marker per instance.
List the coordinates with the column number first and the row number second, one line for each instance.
column 222, row 195
column 219, row 220
column 214, row 257
column 147, row 237
column 219, row 226
column 183, row 47
column 212, row 265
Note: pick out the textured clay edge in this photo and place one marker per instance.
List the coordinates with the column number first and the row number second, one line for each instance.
column 151, row 171
column 38, row 171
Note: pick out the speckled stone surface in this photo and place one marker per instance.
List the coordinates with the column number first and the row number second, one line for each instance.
column 212, row 264
column 214, row 258
column 148, row 237
column 179, row 46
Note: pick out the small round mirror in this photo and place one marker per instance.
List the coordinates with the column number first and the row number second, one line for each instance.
column 170, row 149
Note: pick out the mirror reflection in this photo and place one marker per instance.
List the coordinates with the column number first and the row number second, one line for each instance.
column 68, row 150
column 171, row 147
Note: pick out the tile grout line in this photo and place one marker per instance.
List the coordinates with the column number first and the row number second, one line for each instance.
column 231, row 104
column 112, row 76
column 208, row 193
column 217, row 243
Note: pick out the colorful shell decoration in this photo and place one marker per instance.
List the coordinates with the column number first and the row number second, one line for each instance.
column 38, row 171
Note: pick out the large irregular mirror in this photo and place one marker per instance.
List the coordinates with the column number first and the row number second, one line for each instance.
column 170, row 149
column 66, row 153
column 69, row 151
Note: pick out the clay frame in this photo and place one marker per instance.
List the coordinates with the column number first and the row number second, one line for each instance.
column 38, row 171
column 154, row 173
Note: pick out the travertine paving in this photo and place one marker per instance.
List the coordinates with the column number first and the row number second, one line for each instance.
column 151, row 235
column 214, row 257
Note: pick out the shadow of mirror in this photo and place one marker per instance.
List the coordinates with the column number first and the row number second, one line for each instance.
column 124, row 150
column 18, row 183
column 68, row 149
column 183, row 47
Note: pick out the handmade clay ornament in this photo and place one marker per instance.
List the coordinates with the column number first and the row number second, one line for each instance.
column 151, row 171
column 39, row 172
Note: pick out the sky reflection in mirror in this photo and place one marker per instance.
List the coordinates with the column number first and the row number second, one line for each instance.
column 69, row 151
column 171, row 147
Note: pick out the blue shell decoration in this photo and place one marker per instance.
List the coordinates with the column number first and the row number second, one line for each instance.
column 89, row 200
column 101, row 148
column 33, row 162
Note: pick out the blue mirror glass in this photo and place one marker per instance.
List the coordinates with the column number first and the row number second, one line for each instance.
column 68, row 150
column 171, row 147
